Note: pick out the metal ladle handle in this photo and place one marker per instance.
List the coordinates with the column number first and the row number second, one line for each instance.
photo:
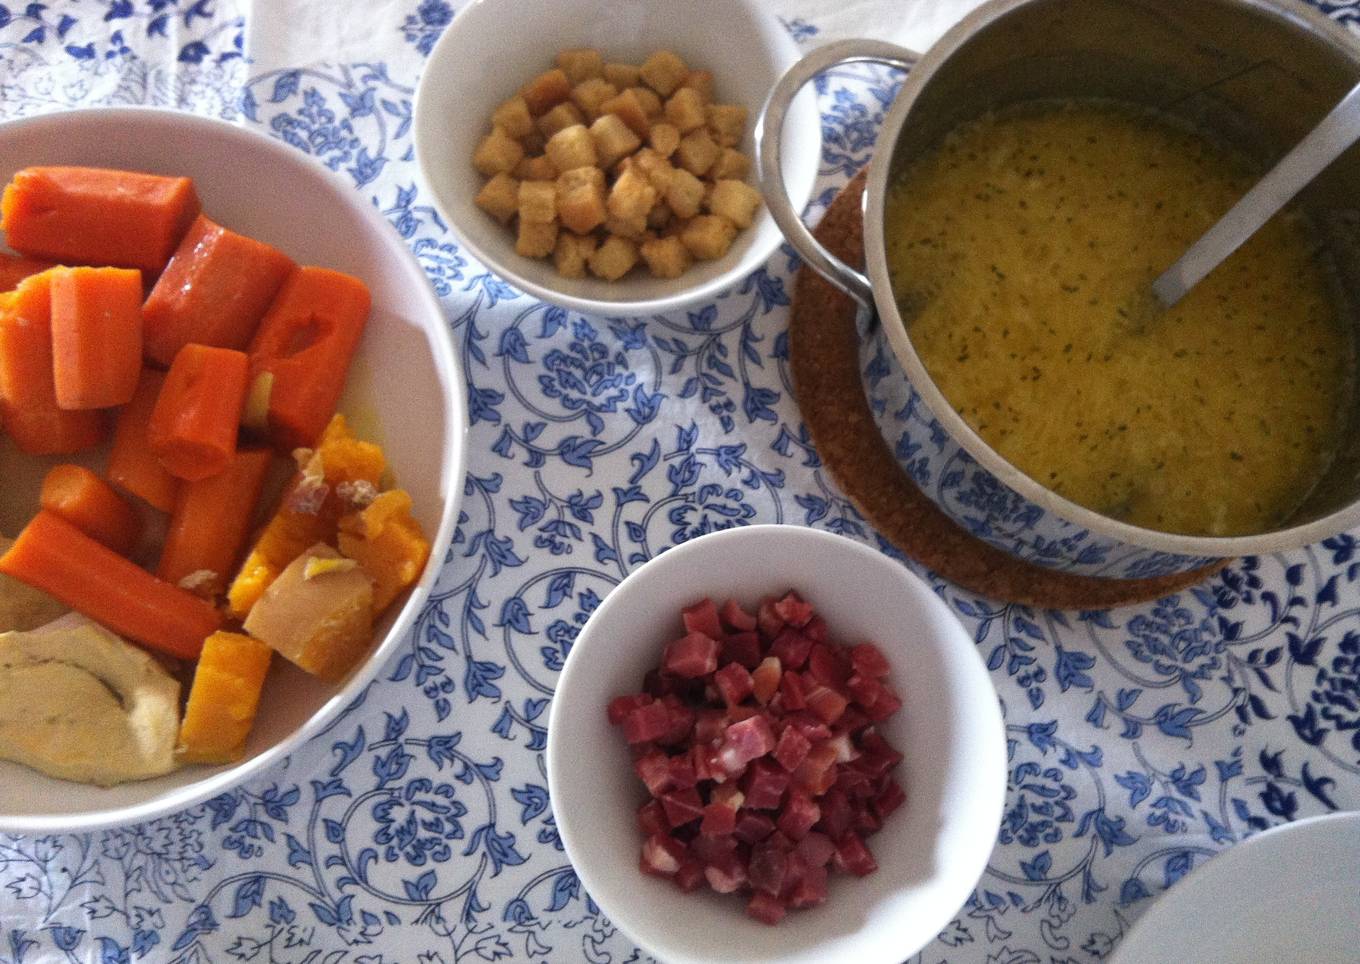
column 769, row 131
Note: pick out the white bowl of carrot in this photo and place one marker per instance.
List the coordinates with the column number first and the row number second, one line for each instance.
column 202, row 451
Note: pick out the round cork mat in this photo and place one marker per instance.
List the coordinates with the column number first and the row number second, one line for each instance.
column 824, row 357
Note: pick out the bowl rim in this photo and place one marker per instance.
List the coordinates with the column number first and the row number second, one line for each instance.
column 1293, row 19
column 355, row 689
column 555, row 764
column 758, row 255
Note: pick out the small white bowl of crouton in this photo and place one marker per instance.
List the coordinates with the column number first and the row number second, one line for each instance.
column 600, row 155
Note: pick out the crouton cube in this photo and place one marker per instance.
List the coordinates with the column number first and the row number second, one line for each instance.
column 632, row 196
column 650, row 102
column 535, row 169
column 685, row 110
column 634, row 229
column 663, row 71
column 659, row 216
column 684, row 193
column 571, row 253
column 570, row 148
column 561, row 117
column 590, row 94
column 513, row 117
column 537, row 201
column 708, row 236
column 731, row 163
column 546, row 91
column 622, row 76
column 581, row 199
column 498, row 153
column 727, row 123
column 613, row 139
column 581, row 63
column 499, row 197
column 702, row 82
column 663, row 138
column 666, row 257
column 536, row 238
column 657, row 169
column 613, row 259
column 735, row 201
column 697, row 152
column 630, row 111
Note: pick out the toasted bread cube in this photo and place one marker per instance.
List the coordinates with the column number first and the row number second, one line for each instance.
column 702, row 82
column 657, row 169
column 498, row 153
column 499, row 197
column 561, row 117
column 727, row 123
column 685, row 110
column 735, row 201
column 513, row 117
column 663, row 71
column 613, row 259
column 630, row 111
column 634, row 229
column 570, row 148
column 572, row 252
column 581, row 199
column 632, row 196
column 546, row 91
column 537, row 201
column 659, row 216
column 590, row 94
column 697, row 152
column 536, row 169
column 684, row 193
column 666, row 257
column 650, row 102
column 731, row 163
column 614, row 140
column 663, row 138
column 708, row 236
column 581, row 63
column 622, row 76
column 536, row 239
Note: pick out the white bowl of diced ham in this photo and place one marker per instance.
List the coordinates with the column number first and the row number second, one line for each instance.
column 775, row 744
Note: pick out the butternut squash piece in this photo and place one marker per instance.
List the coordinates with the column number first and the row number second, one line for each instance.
column 223, row 699
column 388, row 543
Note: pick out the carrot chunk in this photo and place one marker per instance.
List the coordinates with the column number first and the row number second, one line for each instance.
column 214, row 291
column 210, row 523
column 304, row 347
column 53, row 555
column 132, row 465
column 92, row 506
column 28, row 395
column 96, row 336
column 223, row 699
column 91, row 215
column 193, row 426
column 14, row 268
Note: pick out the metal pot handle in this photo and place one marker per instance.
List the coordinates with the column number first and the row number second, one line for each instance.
column 769, row 130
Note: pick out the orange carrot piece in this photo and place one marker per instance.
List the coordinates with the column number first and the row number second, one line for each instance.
column 28, row 396
column 14, row 268
column 92, row 506
column 90, row 215
column 304, row 346
column 53, row 555
column 96, row 336
column 214, row 291
column 211, row 521
column 194, row 424
column 133, row 467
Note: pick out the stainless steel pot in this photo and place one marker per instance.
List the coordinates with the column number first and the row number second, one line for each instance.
column 1257, row 74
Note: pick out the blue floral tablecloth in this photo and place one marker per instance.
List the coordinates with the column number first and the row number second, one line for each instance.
column 1143, row 740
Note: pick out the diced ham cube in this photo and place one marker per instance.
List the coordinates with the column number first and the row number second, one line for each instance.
column 852, row 720
column 799, row 815
column 709, row 725
column 853, row 857
column 815, row 849
column 654, row 769
column 792, row 748
column 792, row 689
column 885, row 706
column 769, row 622
column 793, row 610
column 879, row 756
column 710, row 847
column 704, row 756
column 718, row 820
column 682, row 772
column 681, row 723
column 662, row 855
column 646, row 723
column 825, row 702
column 737, row 619
column 765, row 679
column 869, row 661
column 867, row 822
column 845, row 749
column 690, row 876
column 864, row 690
column 792, row 648
column 733, row 682
column 817, row 773
column 816, row 629
column 889, row 798
column 753, row 827
column 735, row 714
column 726, row 875
column 651, row 818
column 729, row 795
column 702, row 618
column 854, row 783
column 621, row 706
column 765, row 908
column 810, row 890
column 691, row 656
column 742, row 648
column 814, row 729
column 745, row 741
column 838, row 813
column 769, row 863
column 682, row 806
column 764, row 785
column 828, row 665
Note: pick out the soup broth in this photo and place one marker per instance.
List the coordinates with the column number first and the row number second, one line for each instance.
column 1021, row 251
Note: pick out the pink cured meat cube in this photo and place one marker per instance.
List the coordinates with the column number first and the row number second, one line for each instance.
column 662, row 855
column 816, row 629
column 651, row 818
column 889, row 798
column 799, row 816
column 828, row 665
column 710, row 847
column 853, row 857
column 681, row 721
column 621, row 706
column 769, row 863
column 768, row 621
column 690, row 876
column 852, row 720
column 879, row 756
column 815, row 850
column 792, row 748
column 854, row 783
column 817, row 773
column 869, row 661
column 838, row 813
column 753, row 827
column 737, row 619
column 682, row 806
column 726, row 875
column 825, row 702
column 709, row 725
column 728, row 794
column 682, row 773
column 742, row 648
column 814, row 729
column 745, row 741
column 885, row 706
column 765, row 908
column 654, row 769
column 702, row 617
column 733, row 682
column 793, row 691
column 867, row 822
column 691, row 656
column 810, row 890
column 845, row 748
column 793, row 610
column 864, row 690
column 792, row 648
column 719, row 820
column 765, row 785
column 646, row 723
column 765, row 679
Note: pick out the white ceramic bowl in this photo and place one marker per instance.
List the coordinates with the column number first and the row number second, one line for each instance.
column 492, row 47
column 930, row 853
column 270, row 191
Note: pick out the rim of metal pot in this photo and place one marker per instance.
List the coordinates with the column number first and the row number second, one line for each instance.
column 1292, row 537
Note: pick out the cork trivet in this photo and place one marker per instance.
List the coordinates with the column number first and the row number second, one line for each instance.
column 824, row 355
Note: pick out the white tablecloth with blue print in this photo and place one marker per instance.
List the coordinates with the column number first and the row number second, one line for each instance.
column 1143, row 740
